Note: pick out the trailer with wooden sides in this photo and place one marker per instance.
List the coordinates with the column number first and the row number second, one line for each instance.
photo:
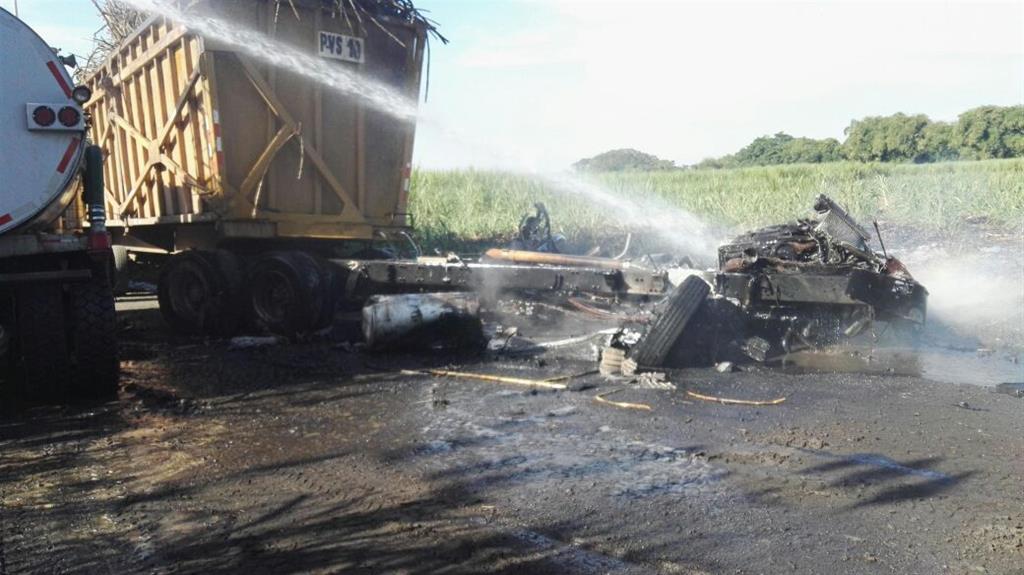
column 259, row 182
column 251, row 174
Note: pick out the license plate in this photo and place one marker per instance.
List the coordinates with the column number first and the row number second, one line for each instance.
column 341, row 47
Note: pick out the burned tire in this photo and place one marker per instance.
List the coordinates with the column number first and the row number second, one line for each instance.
column 93, row 323
column 197, row 296
column 682, row 304
column 41, row 360
column 287, row 292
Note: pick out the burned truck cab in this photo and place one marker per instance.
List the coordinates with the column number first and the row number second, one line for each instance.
column 817, row 281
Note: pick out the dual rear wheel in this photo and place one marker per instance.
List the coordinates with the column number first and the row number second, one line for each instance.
column 284, row 292
column 64, row 345
column 199, row 291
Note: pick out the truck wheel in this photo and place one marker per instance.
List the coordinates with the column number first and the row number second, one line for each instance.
column 94, row 340
column 331, row 289
column 42, row 361
column 120, row 263
column 230, row 269
column 682, row 304
column 286, row 292
column 196, row 297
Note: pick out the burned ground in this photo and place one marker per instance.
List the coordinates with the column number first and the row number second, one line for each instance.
column 309, row 457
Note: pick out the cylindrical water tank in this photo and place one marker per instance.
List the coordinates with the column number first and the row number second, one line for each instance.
column 431, row 317
column 42, row 128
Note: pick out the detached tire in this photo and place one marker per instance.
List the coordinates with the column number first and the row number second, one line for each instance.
column 42, row 360
column 94, row 340
column 288, row 293
column 680, row 308
column 198, row 293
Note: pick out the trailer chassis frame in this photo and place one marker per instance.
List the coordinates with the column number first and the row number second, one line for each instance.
column 371, row 277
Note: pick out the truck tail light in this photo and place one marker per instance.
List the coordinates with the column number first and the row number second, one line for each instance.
column 54, row 117
column 44, row 116
column 68, row 116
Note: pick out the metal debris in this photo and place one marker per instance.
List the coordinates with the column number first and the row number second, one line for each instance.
column 756, row 348
column 534, row 233
column 556, row 259
column 575, row 340
column 500, row 337
column 653, row 380
column 811, row 284
column 423, row 320
column 597, row 312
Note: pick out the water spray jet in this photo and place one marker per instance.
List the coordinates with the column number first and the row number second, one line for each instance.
column 380, row 96
column 675, row 227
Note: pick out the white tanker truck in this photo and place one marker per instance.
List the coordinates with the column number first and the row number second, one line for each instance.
column 57, row 319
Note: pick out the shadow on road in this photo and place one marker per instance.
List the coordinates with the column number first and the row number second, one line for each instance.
column 892, row 481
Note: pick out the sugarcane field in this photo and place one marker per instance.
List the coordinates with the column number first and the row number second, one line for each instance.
column 379, row 286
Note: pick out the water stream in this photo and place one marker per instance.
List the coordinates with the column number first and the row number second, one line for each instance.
column 673, row 226
column 259, row 46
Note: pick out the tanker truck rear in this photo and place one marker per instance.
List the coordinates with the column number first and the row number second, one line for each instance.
column 57, row 320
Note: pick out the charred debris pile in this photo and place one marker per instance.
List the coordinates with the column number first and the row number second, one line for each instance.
column 776, row 290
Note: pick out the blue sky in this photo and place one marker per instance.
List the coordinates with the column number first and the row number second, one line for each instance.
column 538, row 85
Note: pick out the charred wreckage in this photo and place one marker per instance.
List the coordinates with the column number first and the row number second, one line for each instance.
column 783, row 288
column 776, row 290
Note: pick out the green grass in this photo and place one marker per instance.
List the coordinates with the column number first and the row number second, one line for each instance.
column 466, row 208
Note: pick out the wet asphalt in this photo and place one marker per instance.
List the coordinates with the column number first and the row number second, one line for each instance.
column 316, row 458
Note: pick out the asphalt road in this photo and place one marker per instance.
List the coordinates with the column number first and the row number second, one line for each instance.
column 309, row 457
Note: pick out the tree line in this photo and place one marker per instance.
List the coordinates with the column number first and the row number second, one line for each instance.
column 987, row 132
column 982, row 133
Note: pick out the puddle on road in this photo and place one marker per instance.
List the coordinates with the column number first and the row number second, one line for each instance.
column 948, row 366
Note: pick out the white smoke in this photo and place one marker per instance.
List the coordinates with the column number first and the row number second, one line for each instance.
column 979, row 293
